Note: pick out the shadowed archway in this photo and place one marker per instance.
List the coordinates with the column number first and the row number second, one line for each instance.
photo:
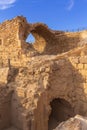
column 61, row 110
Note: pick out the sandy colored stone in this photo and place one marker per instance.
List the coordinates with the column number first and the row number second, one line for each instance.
column 32, row 76
column 76, row 123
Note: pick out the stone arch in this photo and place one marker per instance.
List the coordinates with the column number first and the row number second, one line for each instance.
column 46, row 40
column 46, row 110
column 44, row 37
column 61, row 110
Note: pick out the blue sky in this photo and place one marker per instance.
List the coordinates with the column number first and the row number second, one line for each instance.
column 57, row 14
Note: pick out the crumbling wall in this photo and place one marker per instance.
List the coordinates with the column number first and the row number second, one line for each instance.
column 13, row 46
column 67, row 80
column 53, row 42
column 37, row 75
column 80, row 64
column 10, row 43
column 46, row 79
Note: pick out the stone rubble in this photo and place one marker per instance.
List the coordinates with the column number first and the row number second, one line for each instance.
column 76, row 123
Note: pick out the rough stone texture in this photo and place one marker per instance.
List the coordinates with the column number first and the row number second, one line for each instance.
column 76, row 123
column 33, row 75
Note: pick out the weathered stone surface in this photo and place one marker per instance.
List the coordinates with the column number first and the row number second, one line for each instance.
column 76, row 123
column 33, row 76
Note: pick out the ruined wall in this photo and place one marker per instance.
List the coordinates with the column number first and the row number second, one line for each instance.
column 51, row 42
column 8, row 35
column 54, row 67
column 66, row 81
column 80, row 65
column 13, row 45
column 55, row 77
column 10, row 44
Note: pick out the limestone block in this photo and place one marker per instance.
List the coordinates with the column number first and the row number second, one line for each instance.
column 85, row 66
column 83, row 60
column 76, row 123
column 80, row 66
column 75, row 65
column 75, row 60
column 3, row 74
column 21, row 92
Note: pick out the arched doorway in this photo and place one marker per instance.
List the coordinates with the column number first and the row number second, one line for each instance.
column 61, row 110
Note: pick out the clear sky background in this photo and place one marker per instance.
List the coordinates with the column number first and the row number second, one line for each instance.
column 57, row 14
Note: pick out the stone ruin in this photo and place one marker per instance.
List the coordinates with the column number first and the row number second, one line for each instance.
column 44, row 83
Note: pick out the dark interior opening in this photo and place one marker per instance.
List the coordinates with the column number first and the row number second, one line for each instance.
column 61, row 111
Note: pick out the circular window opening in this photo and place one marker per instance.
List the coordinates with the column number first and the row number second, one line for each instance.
column 30, row 39
column 61, row 111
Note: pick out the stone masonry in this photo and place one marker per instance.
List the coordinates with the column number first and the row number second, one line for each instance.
column 33, row 77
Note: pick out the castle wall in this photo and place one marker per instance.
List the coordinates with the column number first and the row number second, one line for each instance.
column 39, row 75
column 10, row 44
column 63, row 78
column 13, row 46
column 67, row 80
